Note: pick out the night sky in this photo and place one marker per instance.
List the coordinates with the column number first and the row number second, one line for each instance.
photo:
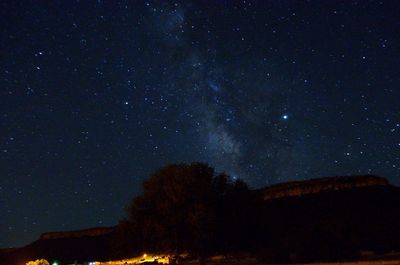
column 96, row 95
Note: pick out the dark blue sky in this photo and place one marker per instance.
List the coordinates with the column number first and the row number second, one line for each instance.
column 96, row 95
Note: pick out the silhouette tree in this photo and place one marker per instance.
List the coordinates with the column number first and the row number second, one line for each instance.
column 181, row 209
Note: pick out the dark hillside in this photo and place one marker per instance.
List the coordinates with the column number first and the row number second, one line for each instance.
column 328, row 224
column 332, row 225
column 63, row 249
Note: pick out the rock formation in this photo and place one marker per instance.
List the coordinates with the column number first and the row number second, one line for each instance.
column 299, row 188
column 78, row 233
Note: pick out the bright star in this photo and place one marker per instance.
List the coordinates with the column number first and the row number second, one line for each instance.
column 285, row 117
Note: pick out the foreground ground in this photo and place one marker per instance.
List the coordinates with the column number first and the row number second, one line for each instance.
column 223, row 260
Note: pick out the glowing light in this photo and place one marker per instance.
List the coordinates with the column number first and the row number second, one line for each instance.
column 285, row 117
column 144, row 255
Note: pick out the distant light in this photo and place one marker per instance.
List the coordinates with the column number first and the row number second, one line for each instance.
column 285, row 117
column 144, row 255
column 55, row 263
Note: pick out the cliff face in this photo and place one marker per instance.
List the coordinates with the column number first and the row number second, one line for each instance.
column 78, row 233
column 299, row 188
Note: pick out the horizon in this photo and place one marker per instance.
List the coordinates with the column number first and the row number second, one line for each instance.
column 87, row 229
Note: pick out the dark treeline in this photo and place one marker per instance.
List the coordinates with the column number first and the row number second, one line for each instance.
column 189, row 208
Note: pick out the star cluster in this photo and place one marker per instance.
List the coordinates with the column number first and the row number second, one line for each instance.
column 96, row 95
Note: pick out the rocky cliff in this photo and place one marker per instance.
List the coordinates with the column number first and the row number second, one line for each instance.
column 98, row 231
column 299, row 188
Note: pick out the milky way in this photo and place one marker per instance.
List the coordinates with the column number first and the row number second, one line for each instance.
column 96, row 95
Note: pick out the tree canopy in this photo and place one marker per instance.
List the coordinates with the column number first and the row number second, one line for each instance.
column 183, row 208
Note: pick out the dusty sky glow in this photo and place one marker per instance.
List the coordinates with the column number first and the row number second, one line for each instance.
column 96, row 95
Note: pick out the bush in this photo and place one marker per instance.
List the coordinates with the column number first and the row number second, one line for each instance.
column 38, row 262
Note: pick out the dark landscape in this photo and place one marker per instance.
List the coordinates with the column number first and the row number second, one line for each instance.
column 333, row 219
